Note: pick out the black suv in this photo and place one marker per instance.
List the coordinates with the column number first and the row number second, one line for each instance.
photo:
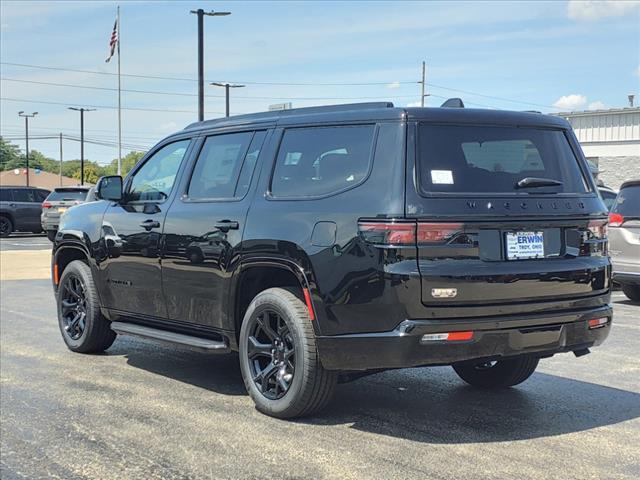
column 20, row 209
column 336, row 241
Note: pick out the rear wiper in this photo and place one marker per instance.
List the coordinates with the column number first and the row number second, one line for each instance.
column 533, row 182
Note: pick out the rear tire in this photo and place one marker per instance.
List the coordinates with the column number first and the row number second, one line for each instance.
column 6, row 226
column 83, row 327
column 279, row 360
column 632, row 292
column 51, row 235
column 498, row 374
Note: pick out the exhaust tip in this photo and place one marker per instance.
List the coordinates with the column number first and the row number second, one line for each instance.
column 582, row 352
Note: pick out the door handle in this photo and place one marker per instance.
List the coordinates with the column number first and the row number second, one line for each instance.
column 149, row 224
column 226, row 225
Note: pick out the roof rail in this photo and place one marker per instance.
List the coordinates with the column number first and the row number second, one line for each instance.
column 345, row 107
column 453, row 103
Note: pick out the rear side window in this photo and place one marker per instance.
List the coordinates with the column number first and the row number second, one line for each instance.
column 322, row 160
column 5, row 195
column 628, row 201
column 24, row 195
column 225, row 166
column 478, row 159
column 67, row 194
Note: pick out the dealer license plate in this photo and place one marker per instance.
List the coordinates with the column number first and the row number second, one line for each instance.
column 523, row 245
column 62, row 210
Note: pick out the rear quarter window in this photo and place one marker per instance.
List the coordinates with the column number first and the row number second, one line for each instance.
column 628, row 201
column 493, row 159
column 320, row 161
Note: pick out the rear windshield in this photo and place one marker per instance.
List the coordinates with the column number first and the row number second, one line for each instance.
column 60, row 195
column 491, row 159
column 628, row 201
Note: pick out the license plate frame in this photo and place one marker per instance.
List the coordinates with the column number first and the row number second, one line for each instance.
column 524, row 245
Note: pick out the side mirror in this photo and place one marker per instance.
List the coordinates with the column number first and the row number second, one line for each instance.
column 110, row 188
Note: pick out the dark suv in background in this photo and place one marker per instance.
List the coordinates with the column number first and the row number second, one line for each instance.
column 338, row 241
column 20, row 209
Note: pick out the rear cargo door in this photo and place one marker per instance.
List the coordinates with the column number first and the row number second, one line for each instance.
column 504, row 215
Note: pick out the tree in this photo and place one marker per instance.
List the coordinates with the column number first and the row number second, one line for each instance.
column 128, row 162
column 9, row 155
column 92, row 173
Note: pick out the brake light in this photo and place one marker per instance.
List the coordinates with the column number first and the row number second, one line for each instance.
column 404, row 233
column 598, row 322
column 46, row 205
column 615, row 219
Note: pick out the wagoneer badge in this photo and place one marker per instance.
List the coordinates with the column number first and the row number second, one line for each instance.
column 444, row 292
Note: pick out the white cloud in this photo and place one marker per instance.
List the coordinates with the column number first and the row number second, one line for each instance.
column 597, row 105
column 571, row 102
column 593, row 10
column 636, row 72
column 168, row 127
column 394, row 85
column 413, row 104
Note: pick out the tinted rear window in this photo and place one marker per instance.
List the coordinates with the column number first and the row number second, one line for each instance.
column 488, row 159
column 71, row 195
column 628, row 202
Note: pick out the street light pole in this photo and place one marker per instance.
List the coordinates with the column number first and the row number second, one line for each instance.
column 201, row 13
column 227, row 86
column 82, row 110
column 26, row 136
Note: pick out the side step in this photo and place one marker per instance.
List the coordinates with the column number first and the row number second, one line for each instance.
column 196, row 343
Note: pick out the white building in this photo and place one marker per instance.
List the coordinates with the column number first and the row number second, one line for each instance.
column 611, row 140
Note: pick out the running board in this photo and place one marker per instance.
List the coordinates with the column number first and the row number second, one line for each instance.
column 197, row 343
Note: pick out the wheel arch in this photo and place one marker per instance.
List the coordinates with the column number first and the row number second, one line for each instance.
column 260, row 274
column 65, row 254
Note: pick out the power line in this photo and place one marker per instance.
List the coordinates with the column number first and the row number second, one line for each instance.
column 155, row 77
column 292, row 84
column 102, row 106
column 143, row 134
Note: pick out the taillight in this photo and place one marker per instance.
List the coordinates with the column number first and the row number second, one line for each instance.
column 403, row 233
column 46, row 205
column 615, row 219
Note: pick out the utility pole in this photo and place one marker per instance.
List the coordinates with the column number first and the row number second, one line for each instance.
column 82, row 110
column 60, row 158
column 26, row 136
column 201, row 13
column 424, row 83
column 227, row 86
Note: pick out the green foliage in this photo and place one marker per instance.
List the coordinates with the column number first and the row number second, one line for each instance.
column 11, row 158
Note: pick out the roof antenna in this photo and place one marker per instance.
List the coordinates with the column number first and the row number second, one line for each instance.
column 453, row 103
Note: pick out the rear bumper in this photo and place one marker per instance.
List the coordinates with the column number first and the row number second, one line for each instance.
column 626, row 278
column 492, row 338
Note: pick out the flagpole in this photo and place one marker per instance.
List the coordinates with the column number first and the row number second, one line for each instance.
column 119, row 101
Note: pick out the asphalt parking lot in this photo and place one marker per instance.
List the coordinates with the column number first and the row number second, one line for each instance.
column 147, row 411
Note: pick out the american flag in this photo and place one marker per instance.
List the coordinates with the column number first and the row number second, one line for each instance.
column 114, row 40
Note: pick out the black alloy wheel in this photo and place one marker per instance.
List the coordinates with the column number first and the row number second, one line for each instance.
column 6, row 227
column 74, row 306
column 272, row 357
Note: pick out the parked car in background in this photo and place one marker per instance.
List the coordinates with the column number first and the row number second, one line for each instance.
column 58, row 202
column 624, row 239
column 608, row 196
column 20, row 209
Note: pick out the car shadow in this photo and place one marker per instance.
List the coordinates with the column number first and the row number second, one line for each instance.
column 429, row 405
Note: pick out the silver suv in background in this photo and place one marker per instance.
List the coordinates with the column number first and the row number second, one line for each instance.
column 624, row 239
column 58, row 201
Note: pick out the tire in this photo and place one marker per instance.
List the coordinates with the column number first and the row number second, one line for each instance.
column 6, row 226
column 499, row 374
column 632, row 292
column 83, row 327
column 310, row 386
column 51, row 235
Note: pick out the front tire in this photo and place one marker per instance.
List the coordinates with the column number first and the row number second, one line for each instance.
column 632, row 292
column 497, row 374
column 83, row 327
column 279, row 361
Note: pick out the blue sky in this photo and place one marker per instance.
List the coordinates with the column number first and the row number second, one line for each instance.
column 549, row 56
